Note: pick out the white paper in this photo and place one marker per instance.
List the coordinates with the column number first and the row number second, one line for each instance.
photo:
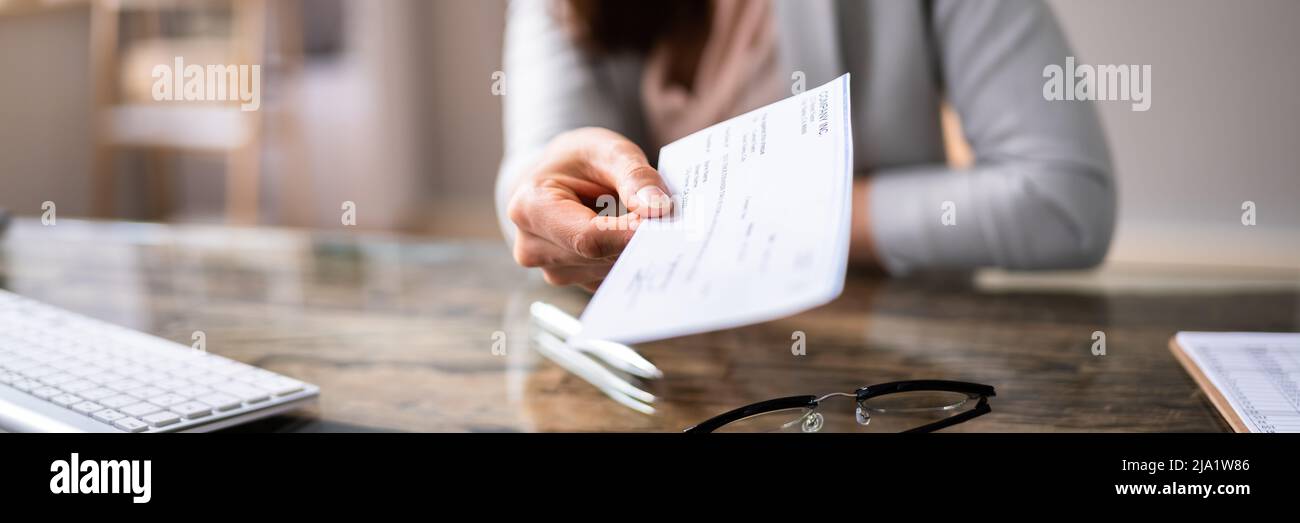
column 759, row 229
column 1257, row 372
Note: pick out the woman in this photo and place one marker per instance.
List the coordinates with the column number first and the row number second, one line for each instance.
column 593, row 85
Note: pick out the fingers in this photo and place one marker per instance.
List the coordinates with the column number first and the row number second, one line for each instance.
column 534, row 251
column 575, row 227
column 607, row 157
column 560, row 266
column 555, row 214
column 582, row 275
column 557, row 229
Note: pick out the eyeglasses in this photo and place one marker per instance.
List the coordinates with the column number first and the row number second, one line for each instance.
column 939, row 403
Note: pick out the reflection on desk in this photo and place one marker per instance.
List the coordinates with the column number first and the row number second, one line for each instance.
column 398, row 332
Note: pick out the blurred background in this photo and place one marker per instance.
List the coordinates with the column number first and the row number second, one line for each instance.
column 390, row 104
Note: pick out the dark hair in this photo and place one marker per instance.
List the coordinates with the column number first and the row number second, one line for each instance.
column 611, row 26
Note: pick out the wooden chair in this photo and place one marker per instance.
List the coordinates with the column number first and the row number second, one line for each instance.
column 127, row 121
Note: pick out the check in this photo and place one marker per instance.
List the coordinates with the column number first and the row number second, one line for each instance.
column 759, row 229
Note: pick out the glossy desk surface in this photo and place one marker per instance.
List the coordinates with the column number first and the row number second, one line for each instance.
column 398, row 333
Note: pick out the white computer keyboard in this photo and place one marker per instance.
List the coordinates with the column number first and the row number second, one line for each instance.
column 63, row 372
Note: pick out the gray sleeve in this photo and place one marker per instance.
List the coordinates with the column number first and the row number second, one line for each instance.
column 1041, row 195
column 551, row 86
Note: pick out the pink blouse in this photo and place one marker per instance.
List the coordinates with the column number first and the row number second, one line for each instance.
column 739, row 70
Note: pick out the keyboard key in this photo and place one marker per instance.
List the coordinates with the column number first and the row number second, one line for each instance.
column 209, row 379
column 118, row 401
column 161, row 419
column 85, row 370
column 65, row 400
column 46, row 351
column 37, row 372
column 46, row 392
column 132, row 369
column 253, row 376
column 87, row 407
column 131, row 424
column 108, row 415
column 124, row 385
column 140, row 409
column 145, row 392
column 166, row 400
column 168, row 365
column 221, row 402
column 153, row 377
column 281, row 386
column 55, row 380
column 94, row 356
column 191, row 409
column 20, row 365
column 104, row 377
column 189, row 371
column 234, row 369
column 25, row 384
column 96, row 394
column 173, row 384
column 242, row 391
column 193, row 391
column 77, row 386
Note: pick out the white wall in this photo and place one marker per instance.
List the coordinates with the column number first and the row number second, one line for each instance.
column 45, row 97
column 360, row 122
column 1223, row 128
column 461, row 48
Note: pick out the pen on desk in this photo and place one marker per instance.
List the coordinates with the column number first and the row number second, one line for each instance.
column 617, row 355
column 613, row 386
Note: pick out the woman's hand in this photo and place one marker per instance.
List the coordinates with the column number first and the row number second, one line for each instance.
column 555, row 205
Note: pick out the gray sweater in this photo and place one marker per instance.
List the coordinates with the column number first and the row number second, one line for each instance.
column 1040, row 195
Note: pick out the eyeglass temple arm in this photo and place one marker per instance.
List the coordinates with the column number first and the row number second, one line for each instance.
column 929, row 385
column 754, row 409
column 980, row 409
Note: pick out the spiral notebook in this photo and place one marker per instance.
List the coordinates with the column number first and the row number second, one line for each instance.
column 1252, row 378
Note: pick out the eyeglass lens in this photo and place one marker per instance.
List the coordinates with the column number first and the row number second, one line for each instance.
column 889, row 413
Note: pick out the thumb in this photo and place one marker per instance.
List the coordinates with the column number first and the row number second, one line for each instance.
column 644, row 191
column 625, row 168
